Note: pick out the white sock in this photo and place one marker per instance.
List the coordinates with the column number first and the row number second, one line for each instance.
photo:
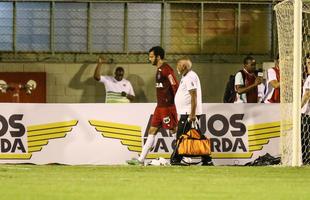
column 147, row 146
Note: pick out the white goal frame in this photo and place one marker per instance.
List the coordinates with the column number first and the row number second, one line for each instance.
column 297, row 63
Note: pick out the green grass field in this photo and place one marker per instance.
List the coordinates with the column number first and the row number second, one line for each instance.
column 132, row 182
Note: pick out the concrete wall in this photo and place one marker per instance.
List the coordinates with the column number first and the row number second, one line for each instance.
column 74, row 83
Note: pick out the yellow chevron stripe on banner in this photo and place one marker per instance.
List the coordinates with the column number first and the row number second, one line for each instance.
column 120, row 131
column 52, row 125
column 49, row 131
column 37, row 143
column 157, row 155
column 39, row 135
column 255, row 148
column 8, row 156
column 264, row 136
column 260, row 134
column 258, row 142
column 131, row 143
column 34, row 149
column 136, row 149
column 263, row 131
column 114, row 125
column 129, row 135
column 231, row 155
column 46, row 137
column 264, row 125
column 119, row 136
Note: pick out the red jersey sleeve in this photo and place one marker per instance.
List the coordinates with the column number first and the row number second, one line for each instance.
column 169, row 73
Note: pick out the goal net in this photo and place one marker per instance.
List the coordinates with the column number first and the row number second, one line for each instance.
column 293, row 27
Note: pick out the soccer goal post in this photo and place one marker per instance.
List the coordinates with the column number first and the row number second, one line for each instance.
column 292, row 27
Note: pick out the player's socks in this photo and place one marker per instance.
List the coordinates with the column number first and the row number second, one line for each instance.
column 146, row 148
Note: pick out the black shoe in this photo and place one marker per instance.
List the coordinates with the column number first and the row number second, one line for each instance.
column 208, row 163
column 177, row 162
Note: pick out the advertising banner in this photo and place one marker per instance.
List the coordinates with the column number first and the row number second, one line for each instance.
column 108, row 134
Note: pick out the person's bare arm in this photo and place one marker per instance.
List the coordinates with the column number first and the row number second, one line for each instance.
column 97, row 72
column 128, row 96
column 193, row 94
column 275, row 84
column 240, row 89
column 305, row 98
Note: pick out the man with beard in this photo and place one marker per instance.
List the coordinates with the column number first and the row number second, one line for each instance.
column 165, row 114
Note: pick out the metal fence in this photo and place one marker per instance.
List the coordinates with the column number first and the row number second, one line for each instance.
column 108, row 27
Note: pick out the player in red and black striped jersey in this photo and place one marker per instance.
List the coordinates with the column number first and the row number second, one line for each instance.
column 165, row 114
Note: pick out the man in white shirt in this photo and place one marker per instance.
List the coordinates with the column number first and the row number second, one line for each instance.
column 273, row 84
column 246, row 82
column 118, row 89
column 305, row 116
column 188, row 102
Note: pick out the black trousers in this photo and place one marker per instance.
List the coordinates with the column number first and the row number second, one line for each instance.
column 183, row 127
column 305, row 138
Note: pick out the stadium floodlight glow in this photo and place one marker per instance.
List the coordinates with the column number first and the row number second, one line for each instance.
column 3, row 86
column 30, row 86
